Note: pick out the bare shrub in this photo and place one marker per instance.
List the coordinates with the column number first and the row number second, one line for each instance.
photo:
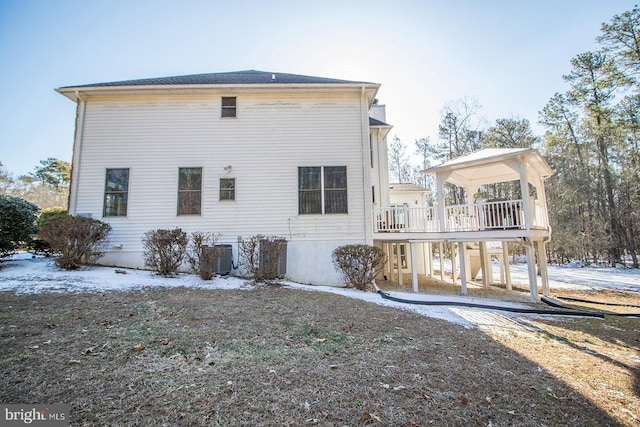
column 358, row 265
column 164, row 250
column 202, row 252
column 260, row 257
column 76, row 240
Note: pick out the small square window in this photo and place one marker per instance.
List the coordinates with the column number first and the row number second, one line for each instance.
column 228, row 106
column 227, row 188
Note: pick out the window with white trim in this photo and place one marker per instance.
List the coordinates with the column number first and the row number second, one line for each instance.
column 322, row 190
column 189, row 191
column 116, row 192
column 228, row 106
column 227, row 188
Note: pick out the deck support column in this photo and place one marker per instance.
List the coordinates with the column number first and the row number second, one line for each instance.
column 428, row 260
column 440, row 253
column 390, row 260
column 414, row 266
column 483, row 265
column 542, row 264
column 463, row 272
column 531, row 266
column 399, row 262
column 507, row 267
column 454, row 267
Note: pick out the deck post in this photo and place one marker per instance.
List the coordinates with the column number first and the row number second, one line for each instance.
column 429, row 260
column 507, row 267
column 454, row 267
column 531, row 266
column 390, row 260
column 483, row 265
column 399, row 262
column 414, row 267
column 542, row 265
column 463, row 272
column 440, row 253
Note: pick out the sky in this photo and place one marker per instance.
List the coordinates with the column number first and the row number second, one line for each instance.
column 510, row 55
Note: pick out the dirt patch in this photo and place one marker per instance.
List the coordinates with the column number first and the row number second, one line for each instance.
column 277, row 356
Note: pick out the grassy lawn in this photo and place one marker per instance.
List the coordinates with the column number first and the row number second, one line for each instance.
column 277, row 356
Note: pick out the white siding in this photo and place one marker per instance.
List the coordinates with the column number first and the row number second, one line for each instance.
column 270, row 138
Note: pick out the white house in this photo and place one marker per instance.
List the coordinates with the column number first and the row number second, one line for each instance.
column 241, row 154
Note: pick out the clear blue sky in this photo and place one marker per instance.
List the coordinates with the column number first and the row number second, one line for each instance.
column 509, row 54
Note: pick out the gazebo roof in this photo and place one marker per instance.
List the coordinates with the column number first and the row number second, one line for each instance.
column 492, row 165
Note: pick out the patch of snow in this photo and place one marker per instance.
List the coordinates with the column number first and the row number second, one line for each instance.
column 24, row 274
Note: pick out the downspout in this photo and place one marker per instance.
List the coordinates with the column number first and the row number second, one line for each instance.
column 366, row 174
column 77, row 148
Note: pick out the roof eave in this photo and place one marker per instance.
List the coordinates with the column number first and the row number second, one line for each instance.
column 75, row 92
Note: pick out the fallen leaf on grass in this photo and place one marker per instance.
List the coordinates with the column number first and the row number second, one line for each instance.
column 139, row 347
column 367, row 416
column 399, row 387
column 463, row 400
column 321, row 340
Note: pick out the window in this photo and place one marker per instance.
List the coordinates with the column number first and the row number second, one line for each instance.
column 228, row 106
column 227, row 188
column 116, row 191
column 322, row 190
column 189, row 191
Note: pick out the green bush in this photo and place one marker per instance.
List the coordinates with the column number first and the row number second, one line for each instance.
column 358, row 265
column 17, row 224
column 48, row 214
column 38, row 245
column 164, row 250
column 76, row 240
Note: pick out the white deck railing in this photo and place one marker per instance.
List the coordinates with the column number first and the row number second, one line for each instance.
column 499, row 215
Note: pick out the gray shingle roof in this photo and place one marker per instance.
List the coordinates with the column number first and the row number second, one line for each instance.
column 376, row 122
column 231, row 78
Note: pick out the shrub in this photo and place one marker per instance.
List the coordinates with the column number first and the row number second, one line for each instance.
column 202, row 252
column 164, row 250
column 48, row 214
column 38, row 245
column 259, row 256
column 75, row 239
column 17, row 224
column 358, row 265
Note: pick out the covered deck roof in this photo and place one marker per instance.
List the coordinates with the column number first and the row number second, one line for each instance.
column 492, row 165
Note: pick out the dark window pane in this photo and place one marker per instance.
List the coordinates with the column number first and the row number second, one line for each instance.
column 189, row 203
column 116, row 192
column 335, row 177
column 190, row 179
column 309, row 178
column 227, row 188
column 310, row 202
column 335, row 201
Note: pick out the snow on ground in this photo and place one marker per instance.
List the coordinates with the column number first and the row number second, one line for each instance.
column 25, row 274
